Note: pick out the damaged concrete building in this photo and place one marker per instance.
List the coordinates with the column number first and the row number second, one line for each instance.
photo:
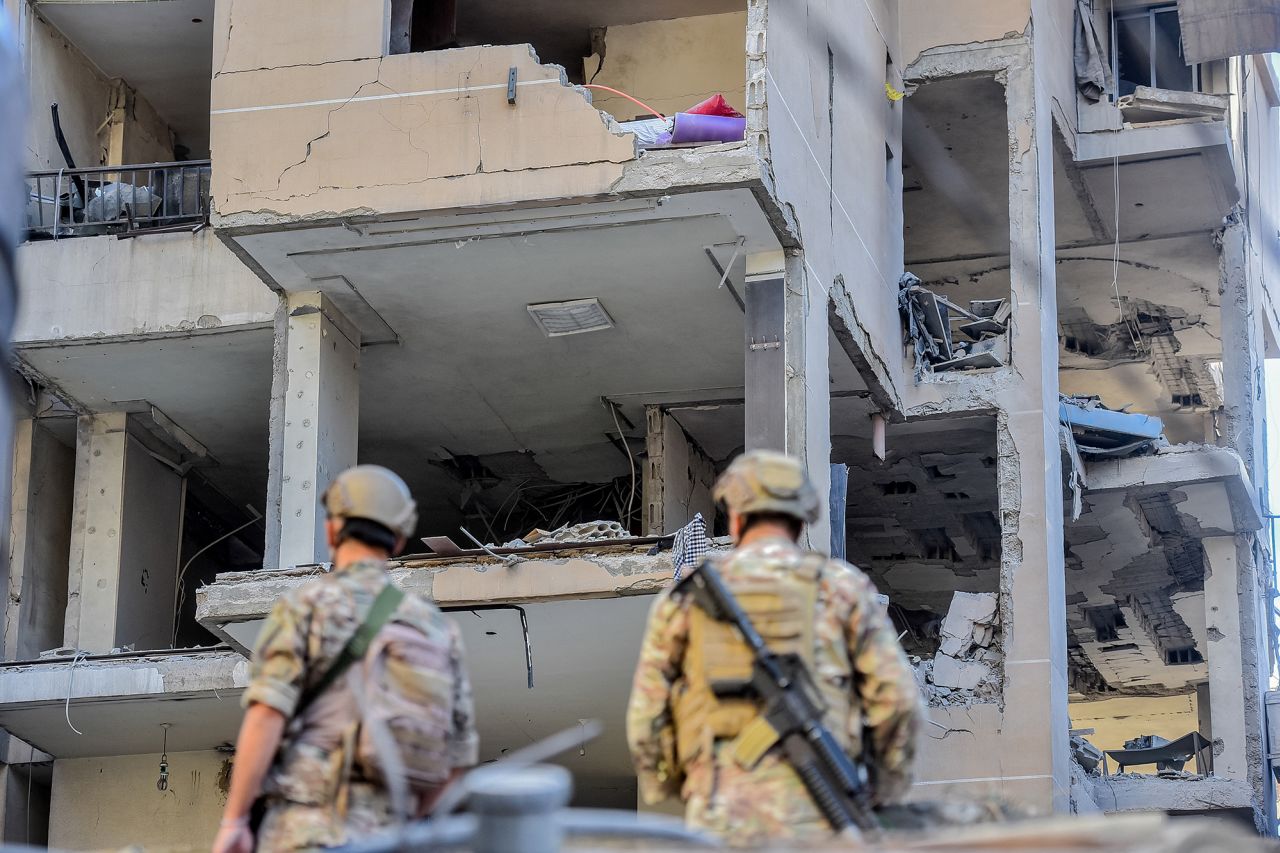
column 998, row 276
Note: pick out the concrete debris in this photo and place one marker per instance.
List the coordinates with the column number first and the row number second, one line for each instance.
column 1085, row 754
column 929, row 318
column 588, row 531
column 1098, row 431
column 1168, row 102
column 966, row 667
column 1136, row 792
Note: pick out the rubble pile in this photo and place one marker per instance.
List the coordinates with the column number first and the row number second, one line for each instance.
column 966, row 667
column 929, row 318
column 588, row 531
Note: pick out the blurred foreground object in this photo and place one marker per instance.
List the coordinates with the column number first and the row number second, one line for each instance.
column 13, row 193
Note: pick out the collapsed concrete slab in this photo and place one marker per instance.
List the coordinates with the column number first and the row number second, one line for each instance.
column 234, row 606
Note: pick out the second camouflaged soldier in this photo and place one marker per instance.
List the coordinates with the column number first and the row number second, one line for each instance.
column 357, row 691
column 687, row 735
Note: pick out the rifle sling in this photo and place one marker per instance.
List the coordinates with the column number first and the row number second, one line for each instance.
column 384, row 605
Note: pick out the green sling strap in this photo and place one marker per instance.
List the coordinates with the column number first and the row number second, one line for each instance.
column 388, row 599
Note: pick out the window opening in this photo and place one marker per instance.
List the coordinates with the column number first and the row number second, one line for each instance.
column 1146, row 50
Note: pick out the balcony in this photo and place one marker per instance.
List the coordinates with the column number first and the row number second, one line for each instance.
column 120, row 200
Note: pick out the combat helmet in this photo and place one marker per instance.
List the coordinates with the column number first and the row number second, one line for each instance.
column 375, row 494
column 767, row 481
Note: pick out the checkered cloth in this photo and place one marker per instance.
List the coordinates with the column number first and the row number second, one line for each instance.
column 690, row 545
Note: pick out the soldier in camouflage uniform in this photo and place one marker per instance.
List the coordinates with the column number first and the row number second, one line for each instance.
column 690, row 740
column 301, row 763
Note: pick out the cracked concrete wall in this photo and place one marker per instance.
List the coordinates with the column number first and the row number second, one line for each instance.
column 86, row 814
column 1032, row 720
column 291, row 120
column 94, row 287
column 672, row 65
column 817, row 108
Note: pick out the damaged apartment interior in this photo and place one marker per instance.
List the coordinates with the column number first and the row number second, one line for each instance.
column 557, row 264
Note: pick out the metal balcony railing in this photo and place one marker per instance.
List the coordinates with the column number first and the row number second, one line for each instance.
column 122, row 200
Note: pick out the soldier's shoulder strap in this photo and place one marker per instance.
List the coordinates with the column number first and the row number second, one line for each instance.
column 380, row 612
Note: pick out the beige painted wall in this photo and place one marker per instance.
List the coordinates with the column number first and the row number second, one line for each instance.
column 297, row 141
column 111, row 803
column 672, row 65
column 931, row 23
column 1118, row 720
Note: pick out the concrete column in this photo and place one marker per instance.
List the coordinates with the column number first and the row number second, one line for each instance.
column 314, row 423
column 788, row 394
column 1244, row 409
column 1030, row 475
column 1226, row 665
column 93, row 571
column 126, row 523
column 678, row 476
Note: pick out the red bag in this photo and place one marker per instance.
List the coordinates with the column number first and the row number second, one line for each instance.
column 714, row 106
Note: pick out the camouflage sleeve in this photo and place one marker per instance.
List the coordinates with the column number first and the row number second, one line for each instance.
column 464, row 741
column 889, row 695
column 650, row 730
column 278, row 664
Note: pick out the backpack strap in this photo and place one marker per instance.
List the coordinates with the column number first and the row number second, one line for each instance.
column 380, row 612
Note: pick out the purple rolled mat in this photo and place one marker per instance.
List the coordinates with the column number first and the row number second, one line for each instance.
column 691, row 127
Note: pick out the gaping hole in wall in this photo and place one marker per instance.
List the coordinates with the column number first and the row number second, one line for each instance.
column 526, row 422
column 1138, row 622
column 40, row 536
column 217, row 536
column 28, row 789
column 955, row 299
column 924, row 524
column 140, row 76
column 638, row 60
column 1137, row 273
column 149, row 64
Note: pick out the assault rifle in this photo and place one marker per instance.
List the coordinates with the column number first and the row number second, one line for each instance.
column 793, row 708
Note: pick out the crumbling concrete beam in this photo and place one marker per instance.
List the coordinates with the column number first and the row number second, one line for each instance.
column 607, row 571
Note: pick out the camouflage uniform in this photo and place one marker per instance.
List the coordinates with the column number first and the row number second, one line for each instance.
column 313, row 801
column 856, row 650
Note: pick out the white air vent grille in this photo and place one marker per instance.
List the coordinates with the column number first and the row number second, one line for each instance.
column 570, row 318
